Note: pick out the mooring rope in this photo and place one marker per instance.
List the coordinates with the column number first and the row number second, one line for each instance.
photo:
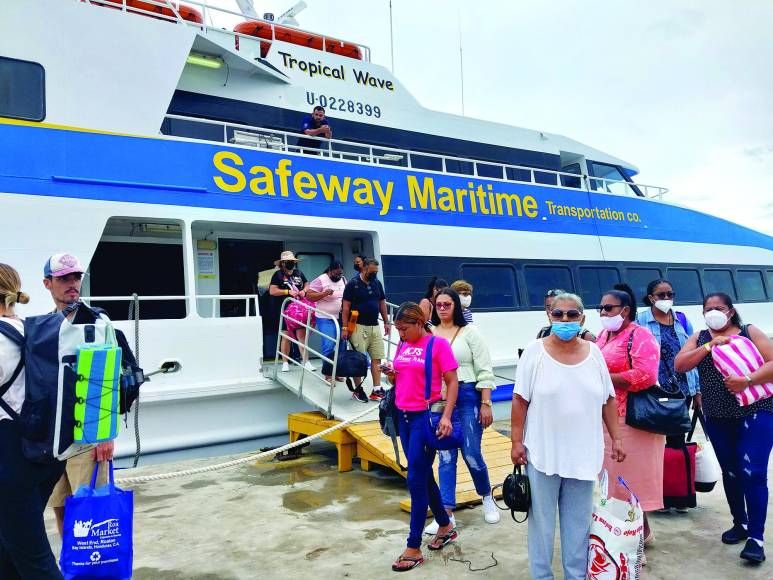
column 243, row 460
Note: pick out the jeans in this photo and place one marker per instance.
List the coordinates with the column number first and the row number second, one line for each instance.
column 574, row 499
column 468, row 408
column 24, row 491
column 743, row 449
column 421, row 481
column 327, row 326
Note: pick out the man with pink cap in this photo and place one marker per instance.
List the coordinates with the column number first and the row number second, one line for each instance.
column 63, row 276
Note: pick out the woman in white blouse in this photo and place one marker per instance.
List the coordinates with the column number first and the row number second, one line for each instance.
column 562, row 392
column 476, row 381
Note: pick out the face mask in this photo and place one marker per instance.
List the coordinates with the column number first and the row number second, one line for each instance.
column 715, row 319
column 465, row 300
column 664, row 306
column 335, row 278
column 289, row 265
column 612, row 323
column 565, row 330
column 356, row 267
column 372, row 276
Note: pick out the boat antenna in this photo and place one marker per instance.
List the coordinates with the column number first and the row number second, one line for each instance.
column 461, row 54
column 288, row 17
column 391, row 38
column 247, row 8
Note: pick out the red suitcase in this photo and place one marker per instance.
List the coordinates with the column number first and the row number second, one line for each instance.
column 679, row 476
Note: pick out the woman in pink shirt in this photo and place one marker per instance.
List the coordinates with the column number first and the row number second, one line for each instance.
column 408, row 375
column 327, row 290
column 643, row 466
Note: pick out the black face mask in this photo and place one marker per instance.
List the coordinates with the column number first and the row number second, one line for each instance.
column 356, row 267
column 335, row 278
column 372, row 276
column 289, row 265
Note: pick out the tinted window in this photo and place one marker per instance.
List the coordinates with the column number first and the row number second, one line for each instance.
column 769, row 277
column 719, row 281
column 494, row 285
column 595, row 281
column 540, row 279
column 638, row 278
column 22, row 90
column 687, row 286
column 616, row 183
column 750, row 288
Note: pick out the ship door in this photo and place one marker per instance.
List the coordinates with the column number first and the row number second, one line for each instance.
column 576, row 164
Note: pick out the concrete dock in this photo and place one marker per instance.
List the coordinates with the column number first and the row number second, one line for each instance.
column 303, row 519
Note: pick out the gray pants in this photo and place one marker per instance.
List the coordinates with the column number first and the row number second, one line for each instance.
column 574, row 500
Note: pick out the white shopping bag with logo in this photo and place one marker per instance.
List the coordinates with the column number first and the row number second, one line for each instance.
column 616, row 537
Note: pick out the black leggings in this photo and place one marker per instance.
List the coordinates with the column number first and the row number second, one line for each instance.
column 24, row 491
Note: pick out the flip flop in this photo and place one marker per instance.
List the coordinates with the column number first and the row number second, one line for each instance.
column 444, row 540
column 415, row 562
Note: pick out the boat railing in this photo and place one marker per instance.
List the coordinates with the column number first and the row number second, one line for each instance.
column 212, row 300
column 352, row 151
column 207, row 27
column 306, row 349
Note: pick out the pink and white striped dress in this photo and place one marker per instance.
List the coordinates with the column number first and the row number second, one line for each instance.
column 740, row 357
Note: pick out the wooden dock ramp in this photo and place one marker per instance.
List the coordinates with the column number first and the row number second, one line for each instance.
column 366, row 442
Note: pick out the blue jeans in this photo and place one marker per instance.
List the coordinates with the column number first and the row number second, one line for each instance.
column 327, row 325
column 574, row 500
column 421, row 481
column 24, row 491
column 468, row 408
column 743, row 449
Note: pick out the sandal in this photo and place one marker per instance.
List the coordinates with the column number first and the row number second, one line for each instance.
column 441, row 542
column 415, row 562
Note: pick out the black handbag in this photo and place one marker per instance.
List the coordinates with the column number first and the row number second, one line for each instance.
column 351, row 364
column 655, row 409
column 516, row 493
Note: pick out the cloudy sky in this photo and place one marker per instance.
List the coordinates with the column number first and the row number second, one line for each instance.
column 681, row 88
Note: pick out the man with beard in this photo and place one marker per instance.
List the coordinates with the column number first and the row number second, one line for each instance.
column 314, row 125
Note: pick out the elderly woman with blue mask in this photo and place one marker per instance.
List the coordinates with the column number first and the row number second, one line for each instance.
column 563, row 393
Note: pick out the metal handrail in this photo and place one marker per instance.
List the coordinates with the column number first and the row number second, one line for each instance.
column 214, row 298
column 207, row 10
column 377, row 155
column 306, row 349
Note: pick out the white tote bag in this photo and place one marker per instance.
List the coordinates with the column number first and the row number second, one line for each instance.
column 707, row 469
column 616, row 537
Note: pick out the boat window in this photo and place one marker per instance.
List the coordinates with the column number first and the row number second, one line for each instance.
column 494, row 285
column 540, row 279
column 595, row 281
column 769, row 279
column 687, row 285
column 719, row 281
column 602, row 171
column 22, row 89
column 638, row 278
column 750, row 287
column 567, row 181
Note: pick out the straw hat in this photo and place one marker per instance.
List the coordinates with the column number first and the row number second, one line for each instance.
column 286, row 256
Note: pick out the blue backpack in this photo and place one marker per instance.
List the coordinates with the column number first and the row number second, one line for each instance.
column 57, row 417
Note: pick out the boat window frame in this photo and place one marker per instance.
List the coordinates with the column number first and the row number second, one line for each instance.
column 9, row 114
column 516, row 302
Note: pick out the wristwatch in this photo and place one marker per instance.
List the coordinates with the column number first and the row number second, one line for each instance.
column 748, row 379
column 489, row 403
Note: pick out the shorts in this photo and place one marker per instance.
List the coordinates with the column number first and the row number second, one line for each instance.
column 368, row 339
column 78, row 471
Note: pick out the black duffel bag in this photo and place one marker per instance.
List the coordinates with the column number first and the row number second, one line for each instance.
column 655, row 409
column 351, row 364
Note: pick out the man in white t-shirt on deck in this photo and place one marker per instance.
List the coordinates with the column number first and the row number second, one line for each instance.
column 62, row 276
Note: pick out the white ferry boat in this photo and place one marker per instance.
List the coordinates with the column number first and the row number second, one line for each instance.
column 163, row 151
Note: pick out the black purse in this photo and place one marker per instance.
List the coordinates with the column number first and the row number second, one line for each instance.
column 516, row 493
column 655, row 409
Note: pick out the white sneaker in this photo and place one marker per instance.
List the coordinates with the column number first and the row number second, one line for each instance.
column 490, row 510
column 285, row 367
column 308, row 366
column 432, row 528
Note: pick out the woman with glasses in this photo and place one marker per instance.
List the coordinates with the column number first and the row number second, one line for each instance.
column 473, row 404
column 545, row 330
column 562, row 393
column 742, row 436
column 633, row 358
column 671, row 329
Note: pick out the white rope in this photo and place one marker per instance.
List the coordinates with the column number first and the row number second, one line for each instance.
column 248, row 459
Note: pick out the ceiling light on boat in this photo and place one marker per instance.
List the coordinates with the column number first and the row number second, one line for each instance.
column 205, row 61
column 160, row 228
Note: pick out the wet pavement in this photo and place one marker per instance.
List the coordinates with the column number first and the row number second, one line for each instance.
column 302, row 519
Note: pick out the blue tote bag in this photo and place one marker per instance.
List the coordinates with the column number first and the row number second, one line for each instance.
column 97, row 540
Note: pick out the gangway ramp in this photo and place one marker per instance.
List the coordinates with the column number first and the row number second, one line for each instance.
column 365, row 441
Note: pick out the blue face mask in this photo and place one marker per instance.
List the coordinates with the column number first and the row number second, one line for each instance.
column 565, row 330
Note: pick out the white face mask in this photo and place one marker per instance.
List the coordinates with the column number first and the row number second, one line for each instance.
column 664, row 305
column 465, row 300
column 715, row 319
column 612, row 323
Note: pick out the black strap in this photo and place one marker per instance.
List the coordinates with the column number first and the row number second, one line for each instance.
column 428, row 369
column 693, row 423
column 17, row 338
column 630, row 345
